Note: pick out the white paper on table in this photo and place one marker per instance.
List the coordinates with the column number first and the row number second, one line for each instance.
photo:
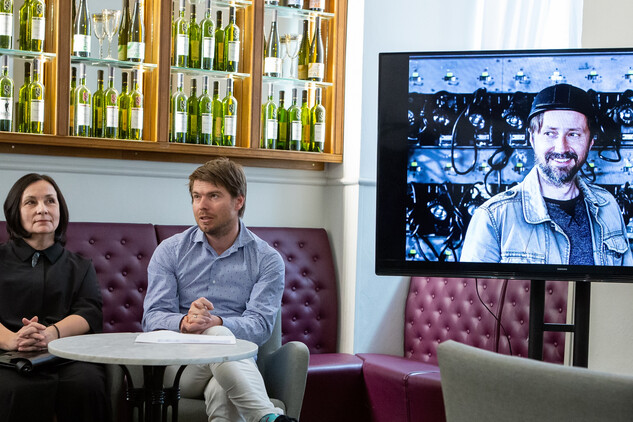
column 166, row 336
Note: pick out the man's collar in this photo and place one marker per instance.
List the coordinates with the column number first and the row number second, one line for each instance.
column 24, row 251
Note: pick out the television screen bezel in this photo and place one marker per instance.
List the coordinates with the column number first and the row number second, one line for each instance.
column 391, row 184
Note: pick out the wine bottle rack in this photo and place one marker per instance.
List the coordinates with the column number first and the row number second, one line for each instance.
column 157, row 69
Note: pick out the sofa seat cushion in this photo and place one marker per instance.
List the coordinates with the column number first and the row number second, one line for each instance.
column 399, row 388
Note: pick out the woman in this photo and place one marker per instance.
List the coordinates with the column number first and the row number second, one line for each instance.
column 46, row 292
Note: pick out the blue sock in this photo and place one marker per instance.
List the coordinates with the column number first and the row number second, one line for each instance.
column 269, row 418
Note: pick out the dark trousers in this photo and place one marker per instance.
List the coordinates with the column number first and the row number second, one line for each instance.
column 74, row 392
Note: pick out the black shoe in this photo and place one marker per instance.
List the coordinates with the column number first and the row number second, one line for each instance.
column 284, row 418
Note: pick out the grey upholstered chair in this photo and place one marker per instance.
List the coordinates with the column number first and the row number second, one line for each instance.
column 479, row 385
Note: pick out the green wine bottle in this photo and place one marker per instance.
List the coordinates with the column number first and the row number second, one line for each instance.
column 269, row 122
column 205, row 114
column 83, row 108
column 229, row 112
column 24, row 40
column 218, row 114
column 317, row 124
column 179, row 111
column 97, row 107
column 219, row 59
column 295, row 130
column 232, row 44
column 71, row 110
column 38, row 25
column 36, row 100
column 192, row 113
column 123, row 103
column 136, row 36
column 207, row 48
column 194, row 39
column 282, row 121
column 316, row 65
column 136, row 108
column 23, row 118
column 123, row 30
column 82, row 35
column 180, row 38
column 272, row 61
column 304, row 53
column 6, row 24
column 6, row 98
column 111, row 107
column 305, row 123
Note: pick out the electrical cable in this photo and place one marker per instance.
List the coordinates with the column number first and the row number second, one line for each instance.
column 498, row 319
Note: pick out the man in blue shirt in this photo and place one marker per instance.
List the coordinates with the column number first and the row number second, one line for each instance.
column 219, row 278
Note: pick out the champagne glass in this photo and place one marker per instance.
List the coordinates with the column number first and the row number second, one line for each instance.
column 293, row 42
column 112, row 21
column 99, row 28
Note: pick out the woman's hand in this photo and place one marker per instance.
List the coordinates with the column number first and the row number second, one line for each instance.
column 33, row 336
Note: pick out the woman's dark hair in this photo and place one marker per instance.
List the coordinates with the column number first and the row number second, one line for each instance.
column 13, row 202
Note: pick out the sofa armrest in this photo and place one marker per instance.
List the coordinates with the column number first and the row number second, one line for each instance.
column 285, row 372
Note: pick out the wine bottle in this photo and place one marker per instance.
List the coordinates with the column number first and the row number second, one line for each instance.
column 218, row 114
column 124, row 102
column 305, row 123
column 192, row 113
column 194, row 39
column 207, row 29
column 6, row 24
column 317, row 124
column 82, row 33
column 294, row 124
column 297, row 4
column 179, row 111
column 180, row 38
column 71, row 109
column 282, row 123
column 269, row 122
column 98, row 107
column 36, row 100
column 123, row 30
column 232, row 44
column 229, row 113
column 24, row 40
column 6, row 97
column 316, row 65
column 136, row 35
column 272, row 61
column 205, row 114
column 219, row 59
column 23, row 119
column 317, row 5
column 83, row 108
column 111, row 108
column 136, row 108
column 304, row 52
column 38, row 25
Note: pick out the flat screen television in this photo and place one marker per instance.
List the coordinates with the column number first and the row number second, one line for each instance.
column 452, row 134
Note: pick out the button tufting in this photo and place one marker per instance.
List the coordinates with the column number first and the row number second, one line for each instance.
column 301, row 244
column 139, row 256
column 521, row 322
column 318, row 318
column 124, row 273
column 307, row 303
column 107, row 256
column 110, row 289
column 127, row 305
column 315, row 258
column 487, row 335
column 294, row 318
column 111, row 322
column 306, row 332
column 305, row 273
column 123, row 241
column 459, row 314
column 91, row 241
column 276, row 244
column 289, row 259
column 293, row 288
column 140, row 290
column 318, row 346
column 468, row 331
column 560, row 310
column 317, row 288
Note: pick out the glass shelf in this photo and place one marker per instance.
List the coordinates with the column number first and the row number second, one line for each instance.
column 290, row 12
column 22, row 54
column 300, row 83
column 112, row 62
column 218, row 74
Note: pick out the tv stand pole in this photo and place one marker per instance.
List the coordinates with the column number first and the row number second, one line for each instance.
column 580, row 327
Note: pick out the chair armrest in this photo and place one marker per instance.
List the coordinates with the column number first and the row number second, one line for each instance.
column 285, row 372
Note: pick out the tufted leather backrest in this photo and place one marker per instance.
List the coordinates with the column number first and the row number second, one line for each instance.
column 439, row 309
column 310, row 299
column 120, row 253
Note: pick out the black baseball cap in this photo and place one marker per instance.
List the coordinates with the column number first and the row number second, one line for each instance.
column 563, row 97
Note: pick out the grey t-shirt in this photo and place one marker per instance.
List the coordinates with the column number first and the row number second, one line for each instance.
column 571, row 216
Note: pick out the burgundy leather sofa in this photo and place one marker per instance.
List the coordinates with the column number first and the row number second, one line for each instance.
column 408, row 388
column 121, row 252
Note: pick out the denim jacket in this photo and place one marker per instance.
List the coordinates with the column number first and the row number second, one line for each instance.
column 514, row 227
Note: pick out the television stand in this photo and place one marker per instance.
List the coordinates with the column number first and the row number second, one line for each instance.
column 580, row 327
